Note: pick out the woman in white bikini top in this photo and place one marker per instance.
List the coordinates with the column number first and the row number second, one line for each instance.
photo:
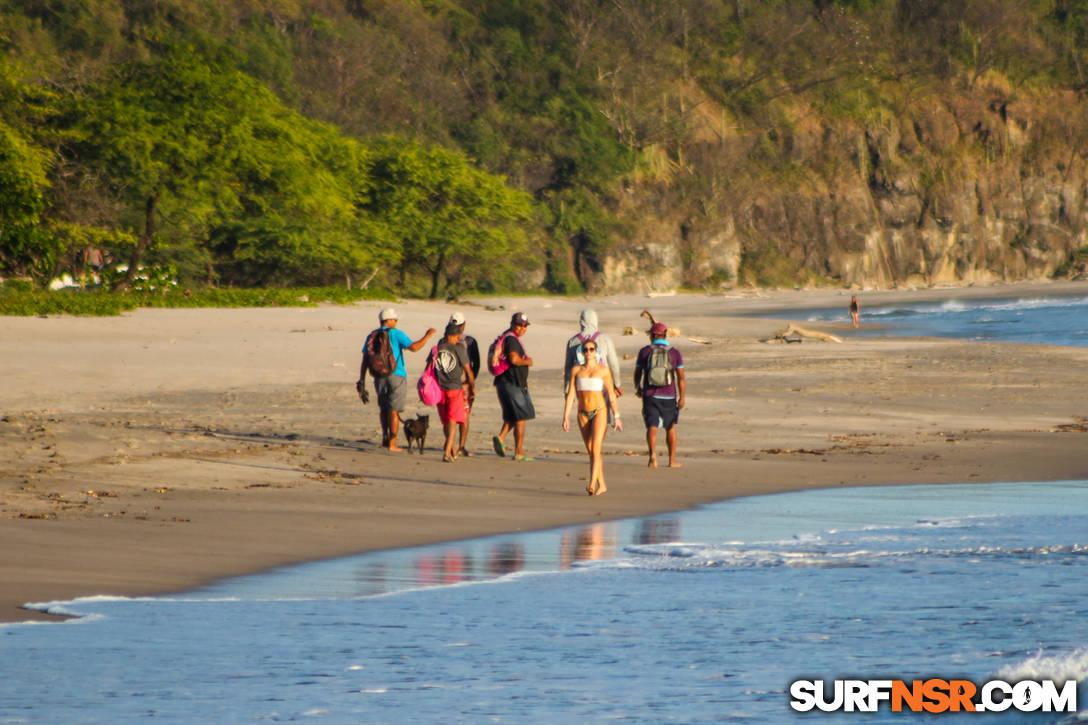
column 589, row 384
column 592, row 383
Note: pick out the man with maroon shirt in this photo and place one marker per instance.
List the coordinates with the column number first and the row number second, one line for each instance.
column 659, row 381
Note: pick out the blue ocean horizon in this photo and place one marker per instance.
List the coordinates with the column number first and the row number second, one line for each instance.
column 693, row 617
column 1047, row 320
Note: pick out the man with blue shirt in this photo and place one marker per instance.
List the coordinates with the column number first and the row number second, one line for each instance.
column 392, row 388
column 659, row 381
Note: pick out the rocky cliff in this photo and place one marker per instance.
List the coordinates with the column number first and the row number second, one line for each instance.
column 975, row 188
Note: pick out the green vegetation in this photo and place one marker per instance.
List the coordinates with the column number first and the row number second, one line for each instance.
column 438, row 148
column 23, row 300
column 1076, row 267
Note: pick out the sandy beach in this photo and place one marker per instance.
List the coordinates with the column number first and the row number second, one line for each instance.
column 162, row 449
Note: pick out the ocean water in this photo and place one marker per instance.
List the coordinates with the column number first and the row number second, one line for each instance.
column 704, row 616
column 697, row 617
column 1043, row 320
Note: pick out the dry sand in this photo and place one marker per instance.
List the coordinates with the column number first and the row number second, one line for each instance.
column 163, row 449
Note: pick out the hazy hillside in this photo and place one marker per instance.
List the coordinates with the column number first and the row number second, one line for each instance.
column 590, row 144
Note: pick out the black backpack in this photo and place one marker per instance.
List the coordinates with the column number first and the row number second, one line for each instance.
column 380, row 360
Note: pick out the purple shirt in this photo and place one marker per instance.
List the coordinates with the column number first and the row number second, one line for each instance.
column 642, row 365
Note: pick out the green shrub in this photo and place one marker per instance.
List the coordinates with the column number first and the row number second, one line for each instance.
column 19, row 300
column 63, row 302
column 1076, row 266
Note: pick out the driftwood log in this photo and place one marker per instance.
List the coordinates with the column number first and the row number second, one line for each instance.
column 794, row 333
column 672, row 331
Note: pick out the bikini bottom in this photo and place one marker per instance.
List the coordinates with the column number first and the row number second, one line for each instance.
column 591, row 414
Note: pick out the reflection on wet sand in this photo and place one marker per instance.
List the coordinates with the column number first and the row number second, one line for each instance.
column 658, row 530
column 449, row 567
column 506, row 557
column 491, row 558
column 589, row 543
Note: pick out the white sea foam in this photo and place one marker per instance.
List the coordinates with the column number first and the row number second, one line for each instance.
column 1062, row 667
column 694, row 556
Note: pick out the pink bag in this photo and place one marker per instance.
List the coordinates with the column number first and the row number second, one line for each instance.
column 497, row 363
column 430, row 392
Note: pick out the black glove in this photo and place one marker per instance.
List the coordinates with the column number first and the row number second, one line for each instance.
column 360, row 388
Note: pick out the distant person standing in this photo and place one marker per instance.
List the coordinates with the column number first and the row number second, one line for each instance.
column 659, row 381
column 472, row 349
column 511, row 367
column 855, row 309
column 452, row 370
column 606, row 351
column 383, row 358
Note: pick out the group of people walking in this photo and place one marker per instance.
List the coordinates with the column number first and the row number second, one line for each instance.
column 590, row 381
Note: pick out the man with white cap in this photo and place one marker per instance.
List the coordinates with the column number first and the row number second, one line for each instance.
column 472, row 348
column 383, row 357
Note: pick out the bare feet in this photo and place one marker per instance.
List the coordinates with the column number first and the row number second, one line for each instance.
column 673, row 463
column 601, row 488
column 395, row 448
column 652, row 463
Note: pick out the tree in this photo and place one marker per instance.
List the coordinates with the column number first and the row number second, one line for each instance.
column 165, row 134
column 456, row 223
column 302, row 191
column 215, row 168
column 23, row 183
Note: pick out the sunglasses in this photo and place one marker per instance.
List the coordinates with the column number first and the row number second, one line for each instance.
column 591, row 349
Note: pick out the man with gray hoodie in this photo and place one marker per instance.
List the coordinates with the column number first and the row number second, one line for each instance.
column 606, row 351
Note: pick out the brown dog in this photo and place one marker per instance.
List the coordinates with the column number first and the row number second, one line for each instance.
column 416, row 430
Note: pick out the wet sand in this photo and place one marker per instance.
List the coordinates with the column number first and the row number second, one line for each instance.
column 163, row 449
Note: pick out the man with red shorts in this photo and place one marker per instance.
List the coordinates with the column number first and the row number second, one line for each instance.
column 451, row 367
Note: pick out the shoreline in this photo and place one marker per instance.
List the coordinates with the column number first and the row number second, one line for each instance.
column 165, row 449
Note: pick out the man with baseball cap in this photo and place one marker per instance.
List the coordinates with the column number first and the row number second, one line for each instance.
column 472, row 349
column 390, row 387
column 512, row 387
column 659, row 381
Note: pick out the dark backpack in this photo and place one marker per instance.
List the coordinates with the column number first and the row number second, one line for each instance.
column 380, row 360
column 659, row 370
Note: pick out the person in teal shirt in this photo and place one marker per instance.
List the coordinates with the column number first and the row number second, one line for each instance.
column 391, row 390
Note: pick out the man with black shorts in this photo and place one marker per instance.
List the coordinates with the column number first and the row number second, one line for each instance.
column 512, row 387
column 659, row 381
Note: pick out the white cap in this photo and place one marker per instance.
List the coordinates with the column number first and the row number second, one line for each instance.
column 457, row 318
column 387, row 314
